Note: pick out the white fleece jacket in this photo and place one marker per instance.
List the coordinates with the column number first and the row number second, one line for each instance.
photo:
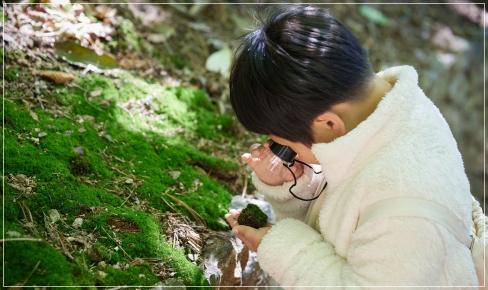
column 403, row 149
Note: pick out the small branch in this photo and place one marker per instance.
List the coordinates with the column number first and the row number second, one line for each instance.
column 128, row 112
column 130, row 194
column 245, row 187
column 85, row 97
column 21, row 239
column 116, row 243
column 28, row 277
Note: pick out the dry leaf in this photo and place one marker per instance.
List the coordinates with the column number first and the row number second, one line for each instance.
column 56, row 76
column 95, row 93
column 34, row 116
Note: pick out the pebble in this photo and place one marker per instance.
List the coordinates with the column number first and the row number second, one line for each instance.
column 79, row 150
column 54, row 215
column 77, row 223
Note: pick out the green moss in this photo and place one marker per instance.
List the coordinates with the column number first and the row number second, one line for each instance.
column 129, row 37
column 11, row 74
column 130, row 277
column 116, row 147
column 79, row 165
column 21, row 258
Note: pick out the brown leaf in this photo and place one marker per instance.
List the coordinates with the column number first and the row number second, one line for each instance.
column 56, row 76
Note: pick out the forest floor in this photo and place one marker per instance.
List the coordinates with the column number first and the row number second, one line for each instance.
column 121, row 153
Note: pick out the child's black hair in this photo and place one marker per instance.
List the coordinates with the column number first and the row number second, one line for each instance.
column 295, row 66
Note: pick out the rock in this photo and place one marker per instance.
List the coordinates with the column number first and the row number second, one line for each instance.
column 79, row 150
column 77, row 223
column 175, row 174
column 171, row 284
column 227, row 262
column 101, row 265
column 100, row 275
column 54, row 215
column 220, row 260
column 95, row 255
column 35, row 140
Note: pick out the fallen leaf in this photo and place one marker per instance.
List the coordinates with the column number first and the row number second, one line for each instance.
column 34, row 116
column 56, row 76
column 373, row 15
column 219, row 61
column 81, row 55
column 175, row 174
column 96, row 93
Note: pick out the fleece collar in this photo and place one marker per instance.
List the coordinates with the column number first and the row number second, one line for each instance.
column 337, row 157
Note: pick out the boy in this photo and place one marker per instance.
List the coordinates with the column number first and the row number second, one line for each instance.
column 303, row 79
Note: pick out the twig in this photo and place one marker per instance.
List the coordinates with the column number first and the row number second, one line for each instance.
column 84, row 262
column 197, row 217
column 29, row 98
column 40, row 101
column 84, row 96
column 62, row 30
column 116, row 243
column 130, row 194
column 109, row 190
column 174, row 209
column 65, row 251
column 21, row 239
column 22, row 208
column 28, row 277
column 245, row 187
column 128, row 112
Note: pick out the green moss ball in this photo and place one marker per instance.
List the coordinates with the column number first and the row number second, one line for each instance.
column 252, row 216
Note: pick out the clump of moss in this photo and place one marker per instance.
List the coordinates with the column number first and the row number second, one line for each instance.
column 11, row 74
column 252, row 216
column 80, row 166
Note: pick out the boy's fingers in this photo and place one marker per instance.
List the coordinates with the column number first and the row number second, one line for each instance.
column 232, row 216
column 243, row 232
column 252, row 162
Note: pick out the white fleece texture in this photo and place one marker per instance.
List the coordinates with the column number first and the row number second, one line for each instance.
column 404, row 149
column 283, row 203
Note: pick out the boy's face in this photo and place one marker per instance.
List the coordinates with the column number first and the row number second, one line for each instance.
column 304, row 153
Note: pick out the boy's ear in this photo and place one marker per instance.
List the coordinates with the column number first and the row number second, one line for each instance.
column 328, row 126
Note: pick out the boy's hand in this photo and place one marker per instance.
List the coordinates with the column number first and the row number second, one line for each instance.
column 251, row 237
column 264, row 174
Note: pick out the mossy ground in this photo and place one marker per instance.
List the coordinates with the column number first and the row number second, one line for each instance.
column 116, row 146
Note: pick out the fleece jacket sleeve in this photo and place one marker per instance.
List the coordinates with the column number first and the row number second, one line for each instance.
column 279, row 197
column 401, row 251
